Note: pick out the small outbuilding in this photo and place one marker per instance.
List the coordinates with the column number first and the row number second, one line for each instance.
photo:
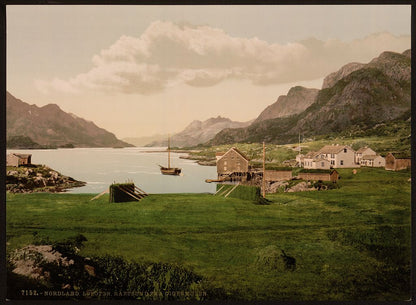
column 16, row 160
column 397, row 162
column 319, row 175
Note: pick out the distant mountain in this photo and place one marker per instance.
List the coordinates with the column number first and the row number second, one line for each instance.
column 377, row 92
column 52, row 127
column 198, row 132
column 147, row 140
column 297, row 100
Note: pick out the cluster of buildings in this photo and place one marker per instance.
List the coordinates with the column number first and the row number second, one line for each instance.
column 340, row 156
column 319, row 165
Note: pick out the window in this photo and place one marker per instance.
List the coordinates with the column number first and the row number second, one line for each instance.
column 322, row 164
column 225, row 163
column 345, row 150
column 332, row 162
column 225, row 168
column 341, row 162
column 332, row 156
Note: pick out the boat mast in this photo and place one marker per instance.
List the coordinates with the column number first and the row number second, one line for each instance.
column 168, row 151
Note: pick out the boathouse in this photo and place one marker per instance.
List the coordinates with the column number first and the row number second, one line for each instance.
column 232, row 163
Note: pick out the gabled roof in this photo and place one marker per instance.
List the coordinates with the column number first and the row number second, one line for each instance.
column 333, row 149
column 22, row 156
column 320, row 160
column 310, row 155
column 400, row 155
column 362, row 149
column 370, row 157
column 237, row 151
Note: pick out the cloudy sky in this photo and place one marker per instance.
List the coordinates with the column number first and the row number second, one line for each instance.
column 142, row 70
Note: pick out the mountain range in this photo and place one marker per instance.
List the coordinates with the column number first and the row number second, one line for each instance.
column 358, row 96
column 198, row 132
column 50, row 126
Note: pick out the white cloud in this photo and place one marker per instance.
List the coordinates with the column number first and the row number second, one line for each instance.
column 170, row 53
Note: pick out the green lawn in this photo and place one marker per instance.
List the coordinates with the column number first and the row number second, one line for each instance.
column 352, row 243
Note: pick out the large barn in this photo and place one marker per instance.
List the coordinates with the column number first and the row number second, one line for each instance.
column 233, row 162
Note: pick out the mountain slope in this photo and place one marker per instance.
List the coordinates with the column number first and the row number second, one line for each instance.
column 49, row 125
column 198, row 132
column 297, row 100
column 377, row 92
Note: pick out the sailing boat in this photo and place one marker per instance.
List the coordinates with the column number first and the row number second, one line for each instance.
column 175, row 171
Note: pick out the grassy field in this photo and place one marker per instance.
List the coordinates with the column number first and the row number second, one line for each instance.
column 351, row 243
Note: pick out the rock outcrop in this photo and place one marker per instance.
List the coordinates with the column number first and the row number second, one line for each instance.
column 297, row 100
column 38, row 178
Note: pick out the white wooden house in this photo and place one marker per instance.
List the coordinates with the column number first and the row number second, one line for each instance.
column 373, row 161
column 317, row 163
column 363, row 151
column 339, row 156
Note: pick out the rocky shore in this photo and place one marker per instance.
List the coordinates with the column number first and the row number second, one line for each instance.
column 201, row 160
column 38, row 178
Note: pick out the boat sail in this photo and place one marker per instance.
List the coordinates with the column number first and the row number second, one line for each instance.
column 175, row 171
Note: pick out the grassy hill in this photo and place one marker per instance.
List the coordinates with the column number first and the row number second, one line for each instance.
column 351, row 243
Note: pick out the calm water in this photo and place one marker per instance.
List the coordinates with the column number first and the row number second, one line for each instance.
column 100, row 167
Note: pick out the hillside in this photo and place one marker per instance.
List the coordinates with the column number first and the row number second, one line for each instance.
column 378, row 92
column 198, row 132
column 297, row 100
column 50, row 126
column 145, row 140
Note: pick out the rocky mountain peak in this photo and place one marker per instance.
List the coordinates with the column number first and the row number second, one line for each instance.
column 334, row 77
column 297, row 100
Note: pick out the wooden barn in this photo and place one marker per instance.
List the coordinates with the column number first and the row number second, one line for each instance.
column 397, row 162
column 18, row 159
column 233, row 162
column 319, row 175
column 277, row 175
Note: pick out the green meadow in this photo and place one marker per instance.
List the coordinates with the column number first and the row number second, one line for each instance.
column 350, row 243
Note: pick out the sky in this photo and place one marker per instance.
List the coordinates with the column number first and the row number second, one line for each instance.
column 144, row 70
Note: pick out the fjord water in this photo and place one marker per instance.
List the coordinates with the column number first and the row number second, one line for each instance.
column 100, row 167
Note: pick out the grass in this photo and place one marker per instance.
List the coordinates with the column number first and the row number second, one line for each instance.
column 335, row 237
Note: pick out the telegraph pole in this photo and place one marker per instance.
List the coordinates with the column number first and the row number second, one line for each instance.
column 264, row 170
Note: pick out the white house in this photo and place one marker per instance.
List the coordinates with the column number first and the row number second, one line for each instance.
column 363, row 151
column 373, row 161
column 306, row 159
column 317, row 163
column 339, row 156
